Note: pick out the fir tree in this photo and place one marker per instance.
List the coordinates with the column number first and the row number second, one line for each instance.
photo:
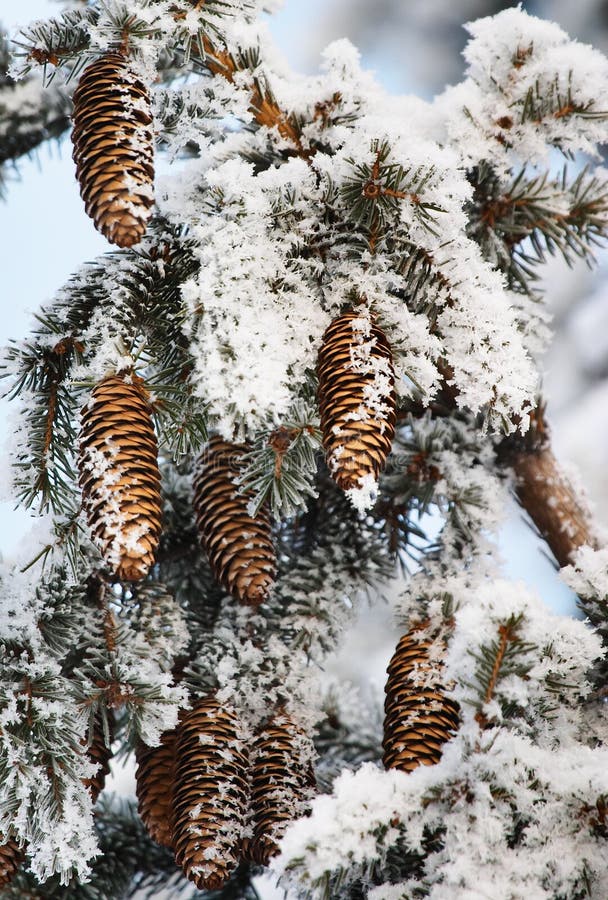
column 330, row 273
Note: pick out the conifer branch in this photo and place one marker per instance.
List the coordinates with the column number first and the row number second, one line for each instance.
column 44, row 372
column 29, row 116
column 147, row 320
column 129, row 863
column 56, row 42
column 54, row 374
column 374, row 191
column 419, row 479
column 262, row 104
column 325, row 554
column 506, row 634
column 556, row 103
column 504, row 656
column 517, row 224
column 281, row 466
column 224, row 321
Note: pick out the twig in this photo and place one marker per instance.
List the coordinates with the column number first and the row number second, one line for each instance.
column 262, row 105
column 508, row 635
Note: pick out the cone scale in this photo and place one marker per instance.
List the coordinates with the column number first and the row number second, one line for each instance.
column 114, row 149
column 11, row 857
column 100, row 754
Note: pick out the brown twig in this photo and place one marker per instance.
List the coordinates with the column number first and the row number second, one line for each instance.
column 372, row 189
column 65, row 345
column 324, row 108
column 262, row 104
column 54, row 57
column 281, row 440
column 109, row 628
column 508, row 634
column 123, row 47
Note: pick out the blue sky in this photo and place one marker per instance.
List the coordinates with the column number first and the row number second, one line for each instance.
column 46, row 236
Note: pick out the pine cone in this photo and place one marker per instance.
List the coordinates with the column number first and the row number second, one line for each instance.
column 119, row 475
column 155, row 776
column 239, row 547
column 114, row 149
column 98, row 752
column 419, row 718
column 209, row 794
column 546, row 493
column 280, row 782
column 356, row 399
column 11, row 857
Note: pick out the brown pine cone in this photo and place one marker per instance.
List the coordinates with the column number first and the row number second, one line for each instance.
column 419, row 717
column 11, row 857
column 356, row 400
column 98, row 752
column 119, row 475
column 281, row 780
column 155, row 775
column 114, row 149
column 209, row 794
column 239, row 547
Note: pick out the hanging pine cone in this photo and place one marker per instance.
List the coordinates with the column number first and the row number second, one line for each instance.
column 11, row 857
column 239, row 547
column 114, row 149
column 419, row 718
column 155, row 775
column 209, row 794
column 100, row 753
column 119, row 475
column 356, row 399
column 546, row 493
column 281, row 779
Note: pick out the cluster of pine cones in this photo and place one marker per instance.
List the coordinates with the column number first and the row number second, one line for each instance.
column 120, row 478
column 204, row 797
column 113, row 150
column 224, row 806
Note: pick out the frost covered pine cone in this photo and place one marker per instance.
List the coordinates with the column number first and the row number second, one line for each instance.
column 119, row 475
column 11, row 857
column 419, row 718
column 154, row 778
column 114, row 149
column 557, row 509
column 356, row 399
column 100, row 753
column 240, row 548
column 209, row 793
column 280, row 781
